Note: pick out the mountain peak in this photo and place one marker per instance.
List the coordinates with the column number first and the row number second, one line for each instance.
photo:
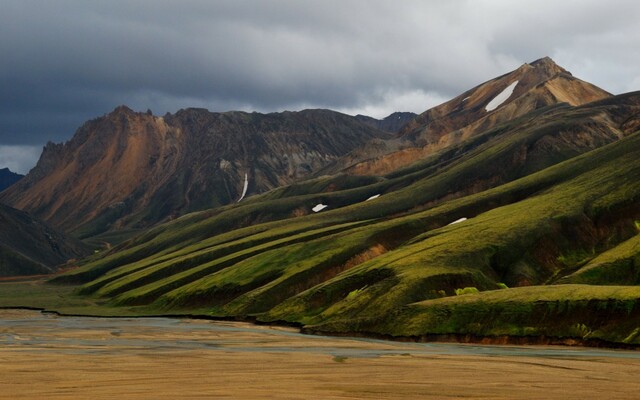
column 544, row 60
column 548, row 65
column 531, row 86
column 122, row 109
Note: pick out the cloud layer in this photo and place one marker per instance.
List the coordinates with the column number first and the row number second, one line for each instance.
column 67, row 61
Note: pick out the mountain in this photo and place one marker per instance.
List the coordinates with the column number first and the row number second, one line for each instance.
column 132, row 170
column 531, row 86
column 8, row 178
column 28, row 246
column 545, row 198
column 392, row 123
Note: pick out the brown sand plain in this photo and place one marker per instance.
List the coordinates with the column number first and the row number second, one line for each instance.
column 42, row 360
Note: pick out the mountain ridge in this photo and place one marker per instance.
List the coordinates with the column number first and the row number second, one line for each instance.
column 141, row 169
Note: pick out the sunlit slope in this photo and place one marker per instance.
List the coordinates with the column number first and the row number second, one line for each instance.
column 592, row 205
column 617, row 266
column 586, row 314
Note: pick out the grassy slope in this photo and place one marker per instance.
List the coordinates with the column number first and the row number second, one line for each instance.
column 618, row 266
column 60, row 298
column 535, row 239
column 352, row 268
column 14, row 264
column 30, row 247
column 609, row 313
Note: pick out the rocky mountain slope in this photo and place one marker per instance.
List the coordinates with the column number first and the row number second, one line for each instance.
column 28, row 246
column 8, row 178
column 129, row 169
column 532, row 86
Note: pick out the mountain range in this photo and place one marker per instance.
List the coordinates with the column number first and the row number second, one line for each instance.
column 132, row 170
column 512, row 209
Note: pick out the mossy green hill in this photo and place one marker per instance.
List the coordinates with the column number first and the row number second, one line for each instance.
column 549, row 197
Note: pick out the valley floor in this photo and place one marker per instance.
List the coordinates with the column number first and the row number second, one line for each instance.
column 44, row 356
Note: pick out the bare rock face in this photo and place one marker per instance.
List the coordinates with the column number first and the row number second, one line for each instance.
column 129, row 169
column 532, row 86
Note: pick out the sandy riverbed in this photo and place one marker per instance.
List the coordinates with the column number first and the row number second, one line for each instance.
column 43, row 356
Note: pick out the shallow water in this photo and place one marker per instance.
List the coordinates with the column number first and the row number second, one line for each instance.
column 82, row 335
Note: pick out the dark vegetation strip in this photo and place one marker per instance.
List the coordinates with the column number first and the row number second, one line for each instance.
column 150, row 296
column 192, row 261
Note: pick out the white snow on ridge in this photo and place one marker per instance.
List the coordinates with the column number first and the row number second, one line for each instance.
column 246, row 186
column 457, row 221
column 375, row 196
column 502, row 97
column 319, row 207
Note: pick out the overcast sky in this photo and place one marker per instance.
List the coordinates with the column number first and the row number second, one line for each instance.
column 63, row 62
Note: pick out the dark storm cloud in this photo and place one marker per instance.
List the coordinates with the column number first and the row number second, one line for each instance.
column 64, row 62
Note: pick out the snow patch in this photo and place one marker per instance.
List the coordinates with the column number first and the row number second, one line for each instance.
column 319, row 207
column 466, row 98
column 502, row 97
column 246, row 186
column 457, row 221
column 375, row 196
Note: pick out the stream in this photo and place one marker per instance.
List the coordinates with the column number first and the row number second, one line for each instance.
column 48, row 332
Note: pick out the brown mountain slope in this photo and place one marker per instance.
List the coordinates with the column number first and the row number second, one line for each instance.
column 130, row 169
column 536, row 85
column 28, row 246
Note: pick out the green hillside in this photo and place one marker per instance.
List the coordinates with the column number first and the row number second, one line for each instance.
column 551, row 197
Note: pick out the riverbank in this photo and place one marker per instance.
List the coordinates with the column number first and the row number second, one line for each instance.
column 60, row 300
column 45, row 356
